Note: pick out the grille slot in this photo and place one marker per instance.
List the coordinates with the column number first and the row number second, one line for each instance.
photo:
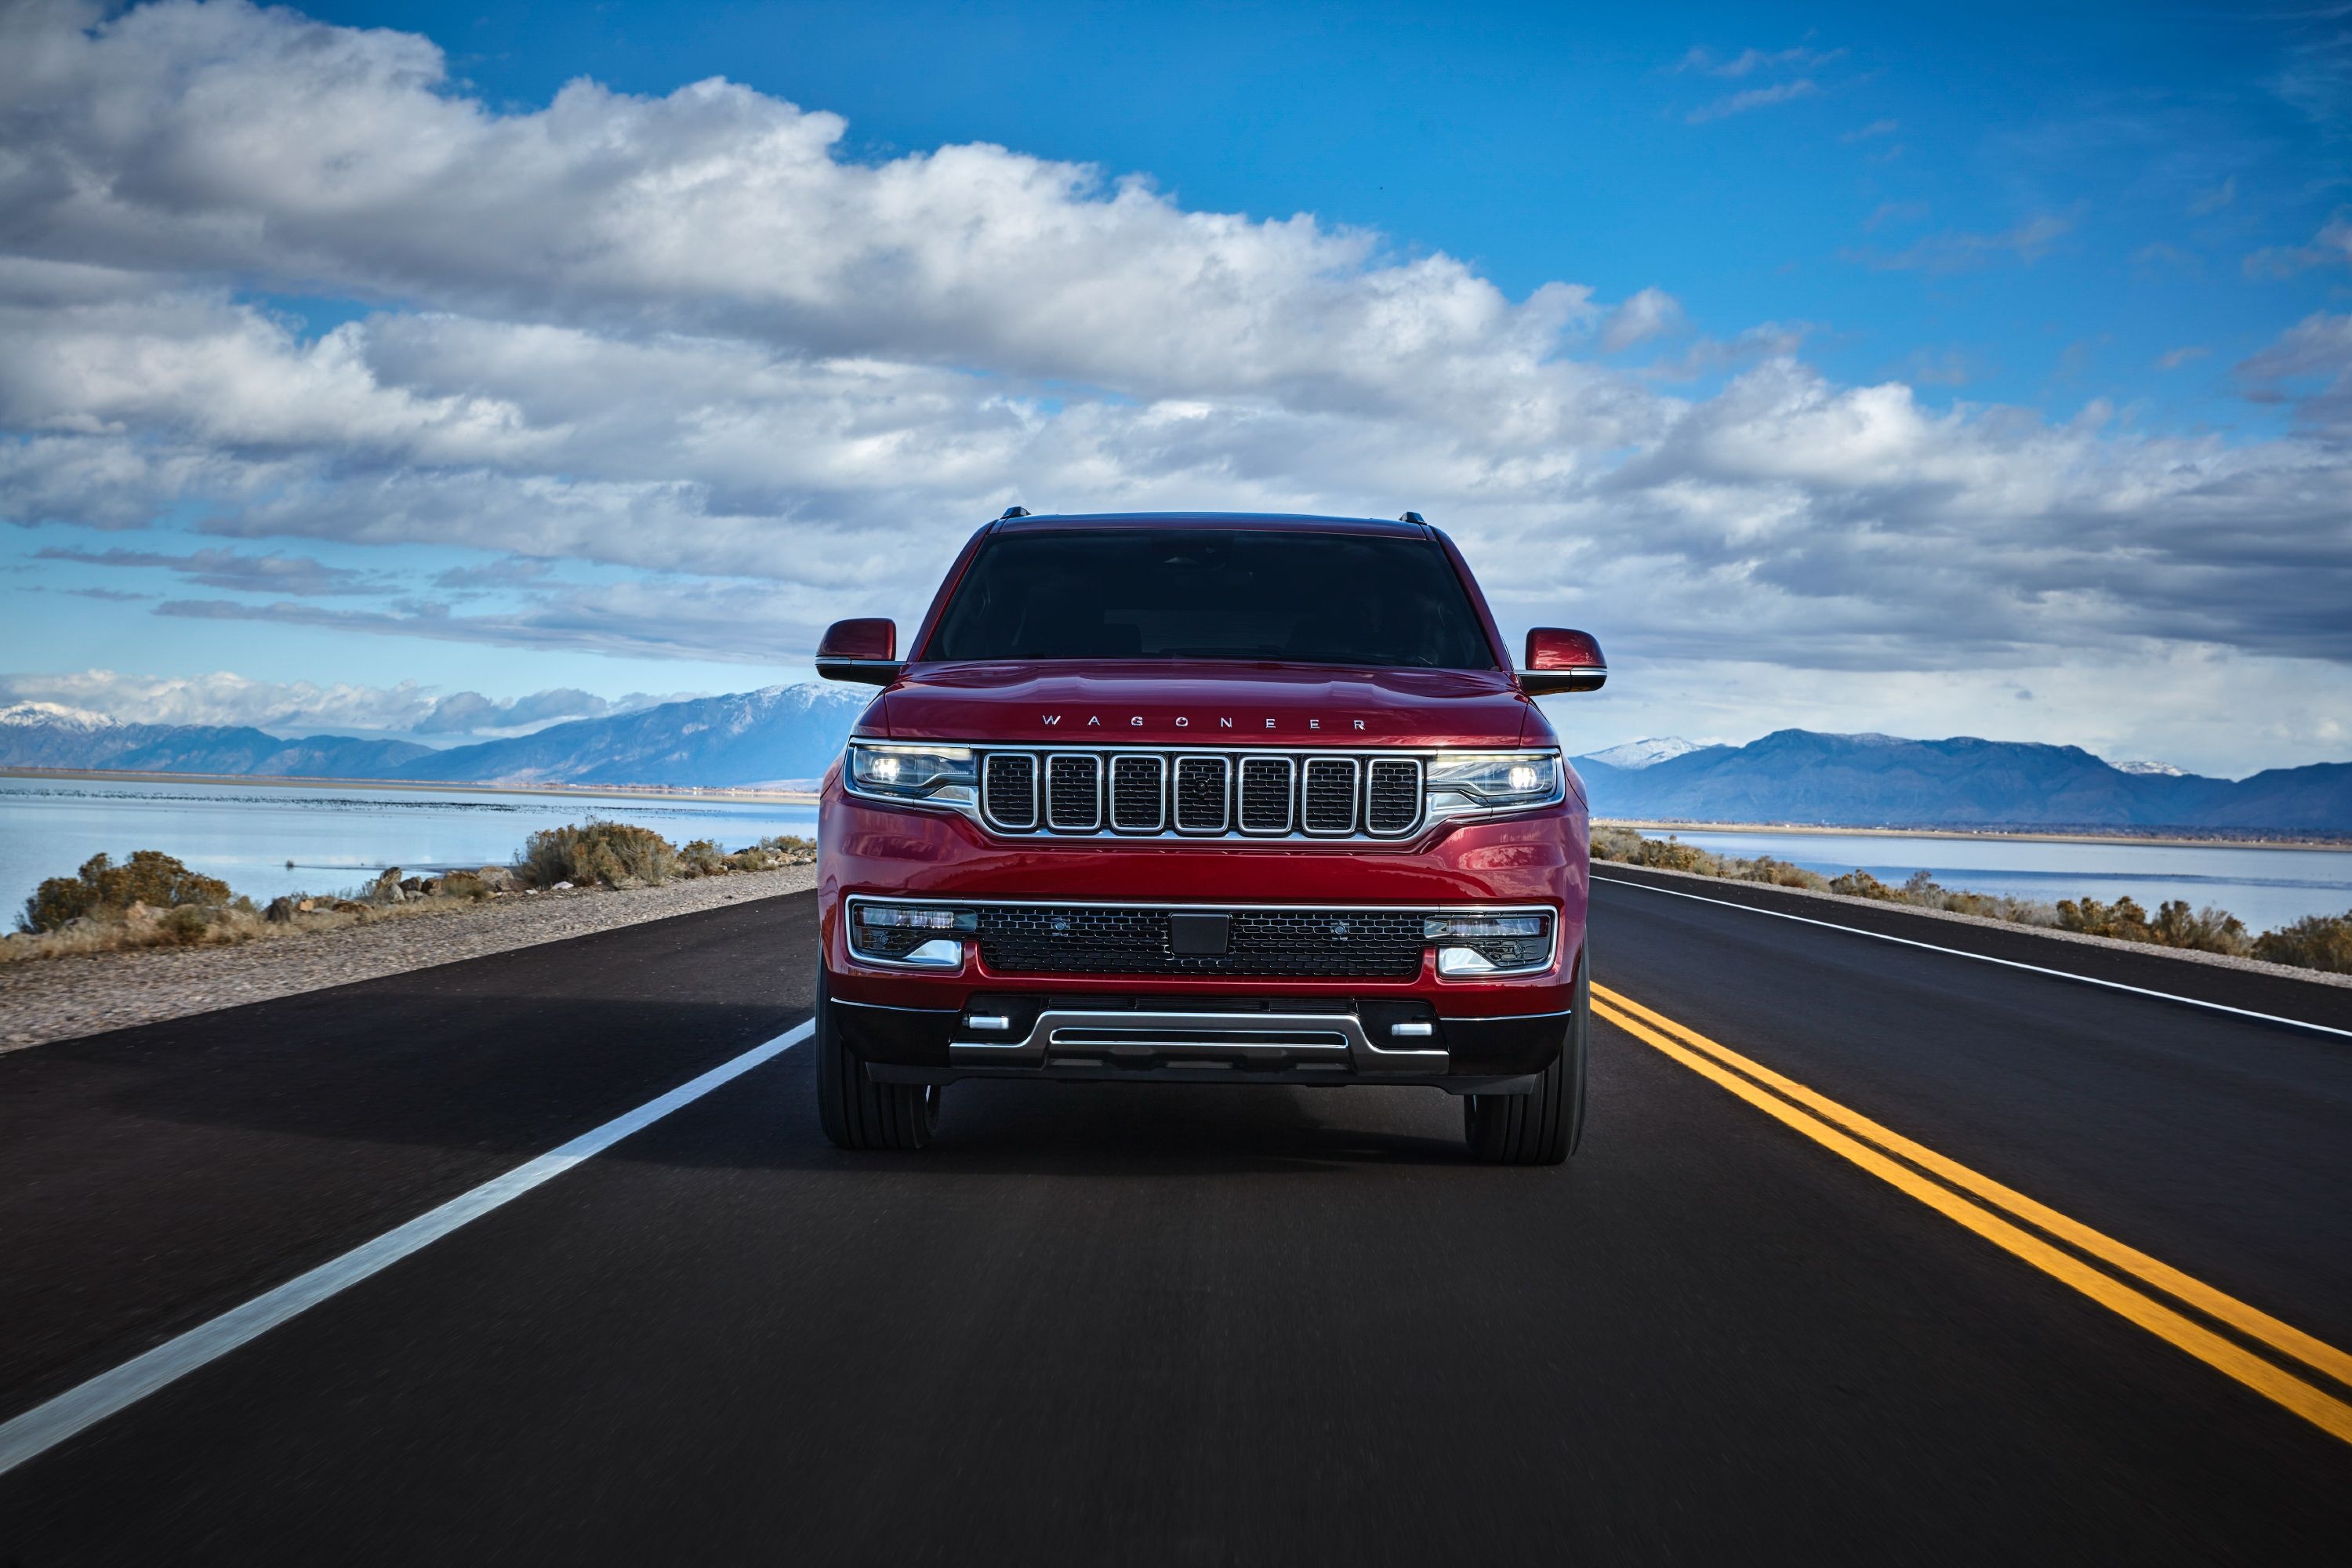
column 1328, row 800
column 1371, row 944
column 1201, row 794
column 1010, row 790
column 1136, row 788
column 1074, row 792
column 1392, row 796
column 1266, row 794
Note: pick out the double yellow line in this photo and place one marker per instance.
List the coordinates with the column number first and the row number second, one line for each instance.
column 1970, row 1198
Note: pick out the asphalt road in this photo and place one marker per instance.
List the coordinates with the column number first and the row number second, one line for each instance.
column 1162, row 1324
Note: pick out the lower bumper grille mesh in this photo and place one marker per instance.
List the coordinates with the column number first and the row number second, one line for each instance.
column 1308, row 943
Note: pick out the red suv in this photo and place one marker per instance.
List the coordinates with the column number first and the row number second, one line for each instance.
column 1206, row 799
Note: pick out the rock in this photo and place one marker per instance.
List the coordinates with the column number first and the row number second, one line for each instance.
column 282, row 911
column 498, row 878
column 560, row 887
column 412, row 885
column 387, row 889
column 305, row 906
column 430, row 885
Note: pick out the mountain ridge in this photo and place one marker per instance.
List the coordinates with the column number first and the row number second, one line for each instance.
column 1803, row 776
column 794, row 732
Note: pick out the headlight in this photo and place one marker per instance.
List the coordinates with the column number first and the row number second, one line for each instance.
column 1491, row 781
column 947, row 774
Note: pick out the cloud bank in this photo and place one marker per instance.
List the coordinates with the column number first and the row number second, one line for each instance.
column 688, row 338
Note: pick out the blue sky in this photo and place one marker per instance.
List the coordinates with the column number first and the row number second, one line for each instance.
column 1880, row 206
column 1857, row 367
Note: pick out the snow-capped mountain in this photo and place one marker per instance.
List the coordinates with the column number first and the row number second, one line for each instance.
column 2151, row 770
column 54, row 716
column 1635, row 755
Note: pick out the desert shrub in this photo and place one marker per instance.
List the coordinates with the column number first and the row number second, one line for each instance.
column 1860, row 884
column 1673, row 854
column 788, row 849
column 1615, row 844
column 103, row 887
column 2208, row 930
column 186, row 925
column 703, row 857
column 2315, row 942
column 1779, row 873
column 616, row 854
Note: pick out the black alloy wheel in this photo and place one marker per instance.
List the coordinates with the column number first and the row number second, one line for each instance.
column 1543, row 1126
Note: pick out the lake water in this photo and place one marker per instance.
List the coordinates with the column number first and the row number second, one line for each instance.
column 339, row 836
column 336, row 837
column 2263, row 888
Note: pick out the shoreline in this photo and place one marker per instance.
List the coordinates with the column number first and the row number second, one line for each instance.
column 44, row 1000
column 549, row 791
column 1978, row 835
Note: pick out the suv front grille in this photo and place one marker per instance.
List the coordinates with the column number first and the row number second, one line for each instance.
column 1256, row 794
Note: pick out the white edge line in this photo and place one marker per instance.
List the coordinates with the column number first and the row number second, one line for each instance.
column 1983, row 957
column 47, row 1424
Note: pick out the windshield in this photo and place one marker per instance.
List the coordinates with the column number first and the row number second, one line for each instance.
column 1237, row 593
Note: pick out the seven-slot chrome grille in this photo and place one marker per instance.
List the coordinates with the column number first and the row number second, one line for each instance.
column 1177, row 794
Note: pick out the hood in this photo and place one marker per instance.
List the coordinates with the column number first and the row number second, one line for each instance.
column 1159, row 703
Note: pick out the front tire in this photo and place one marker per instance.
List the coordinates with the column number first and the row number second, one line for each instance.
column 1543, row 1126
column 856, row 1111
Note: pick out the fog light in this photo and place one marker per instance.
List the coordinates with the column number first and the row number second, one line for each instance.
column 901, row 933
column 1463, row 960
column 906, row 918
column 1459, row 926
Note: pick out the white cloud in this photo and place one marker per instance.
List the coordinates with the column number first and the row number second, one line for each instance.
column 2029, row 242
column 302, row 707
column 1650, row 313
column 1752, row 99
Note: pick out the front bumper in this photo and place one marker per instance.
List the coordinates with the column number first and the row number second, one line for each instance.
column 1486, row 1035
column 1320, row 1040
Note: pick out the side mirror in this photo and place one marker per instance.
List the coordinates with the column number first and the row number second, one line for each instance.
column 864, row 650
column 1563, row 660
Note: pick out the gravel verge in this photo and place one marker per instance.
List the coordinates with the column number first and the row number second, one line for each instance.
column 2184, row 954
column 88, row 993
